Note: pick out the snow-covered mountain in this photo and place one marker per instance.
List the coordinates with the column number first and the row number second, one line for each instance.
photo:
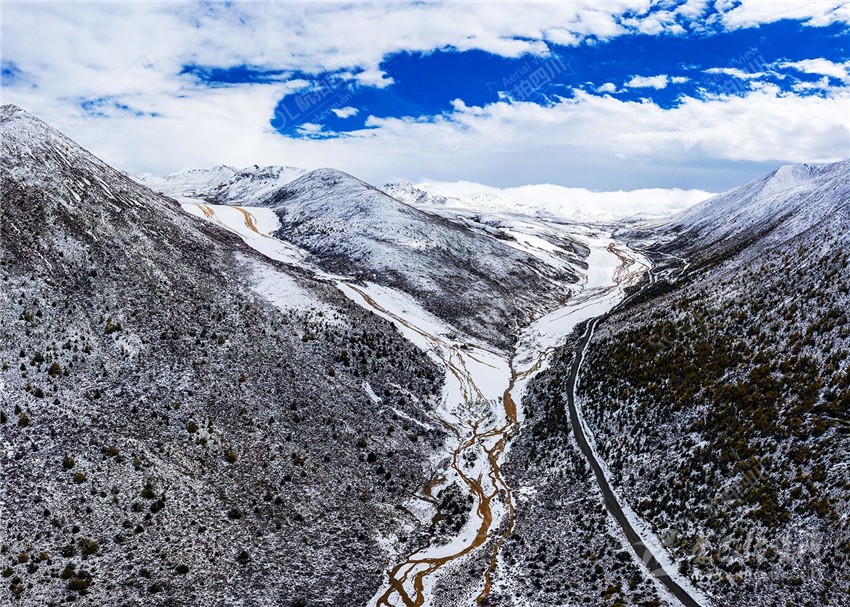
column 415, row 195
column 771, row 209
column 194, row 411
column 184, row 421
column 223, row 183
column 484, row 279
column 719, row 397
column 546, row 201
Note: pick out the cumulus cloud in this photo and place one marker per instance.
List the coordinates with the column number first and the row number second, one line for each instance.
column 345, row 112
column 654, row 82
column 823, row 67
column 736, row 73
column 750, row 13
column 650, row 82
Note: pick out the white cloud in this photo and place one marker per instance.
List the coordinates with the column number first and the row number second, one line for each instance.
column 608, row 87
column 821, row 85
column 651, row 82
column 751, row 13
column 135, row 52
column 593, row 141
column 654, row 82
column 823, row 67
column 310, row 128
column 570, row 203
column 376, row 78
column 736, row 73
column 692, row 9
column 345, row 112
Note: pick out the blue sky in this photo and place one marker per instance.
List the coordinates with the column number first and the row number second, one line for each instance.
column 690, row 94
column 426, row 84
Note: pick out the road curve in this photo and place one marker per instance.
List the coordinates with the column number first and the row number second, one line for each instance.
column 611, row 503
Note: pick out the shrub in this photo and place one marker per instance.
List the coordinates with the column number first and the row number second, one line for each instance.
column 79, row 584
column 89, row 546
column 68, row 462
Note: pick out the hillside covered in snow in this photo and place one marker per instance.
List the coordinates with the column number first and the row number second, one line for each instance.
column 719, row 398
column 183, row 420
column 485, row 278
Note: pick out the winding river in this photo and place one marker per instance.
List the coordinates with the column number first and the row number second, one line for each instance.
column 483, row 426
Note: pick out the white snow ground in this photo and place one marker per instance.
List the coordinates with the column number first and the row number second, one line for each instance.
column 253, row 225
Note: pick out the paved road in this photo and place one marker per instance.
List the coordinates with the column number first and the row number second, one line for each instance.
column 611, row 503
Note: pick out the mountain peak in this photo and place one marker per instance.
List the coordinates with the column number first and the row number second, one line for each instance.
column 331, row 176
column 28, row 142
column 793, row 174
column 246, row 186
column 332, row 184
column 783, row 203
column 9, row 109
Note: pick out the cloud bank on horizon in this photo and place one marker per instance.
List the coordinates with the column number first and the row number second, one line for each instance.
column 619, row 95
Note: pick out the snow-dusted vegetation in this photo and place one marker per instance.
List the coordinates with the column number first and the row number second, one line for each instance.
column 169, row 435
column 721, row 403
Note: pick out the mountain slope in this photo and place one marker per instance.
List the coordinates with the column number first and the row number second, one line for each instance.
column 767, row 211
column 483, row 283
column 720, row 401
column 173, row 434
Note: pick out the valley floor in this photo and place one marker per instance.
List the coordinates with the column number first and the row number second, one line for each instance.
column 468, row 504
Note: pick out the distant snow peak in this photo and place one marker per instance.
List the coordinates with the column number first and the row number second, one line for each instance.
column 225, row 183
column 550, row 200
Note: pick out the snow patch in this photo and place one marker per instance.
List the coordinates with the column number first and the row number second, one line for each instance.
column 284, row 292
